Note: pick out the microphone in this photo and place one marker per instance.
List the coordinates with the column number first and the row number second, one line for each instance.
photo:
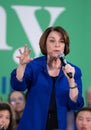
column 61, row 56
column 1, row 128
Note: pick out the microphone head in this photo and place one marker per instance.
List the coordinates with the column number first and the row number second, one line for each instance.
column 61, row 55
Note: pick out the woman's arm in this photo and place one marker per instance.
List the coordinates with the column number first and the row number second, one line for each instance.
column 73, row 89
column 24, row 59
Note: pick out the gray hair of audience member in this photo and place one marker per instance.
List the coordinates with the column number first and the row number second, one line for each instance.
column 88, row 89
column 87, row 98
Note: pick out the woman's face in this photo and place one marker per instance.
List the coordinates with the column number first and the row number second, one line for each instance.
column 83, row 120
column 4, row 119
column 17, row 101
column 55, row 44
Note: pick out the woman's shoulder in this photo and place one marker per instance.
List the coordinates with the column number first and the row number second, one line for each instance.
column 38, row 60
column 41, row 58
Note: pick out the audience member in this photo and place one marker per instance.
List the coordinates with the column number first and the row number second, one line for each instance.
column 88, row 97
column 83, row 119
column 17, row 101
column 6, row 116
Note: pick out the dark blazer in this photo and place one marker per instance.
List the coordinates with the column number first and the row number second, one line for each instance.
column 39, row 84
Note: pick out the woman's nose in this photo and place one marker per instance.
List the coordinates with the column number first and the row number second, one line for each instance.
column 57, row 44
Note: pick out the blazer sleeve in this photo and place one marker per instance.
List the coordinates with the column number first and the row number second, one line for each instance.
column 25, row 83
column 80, row 100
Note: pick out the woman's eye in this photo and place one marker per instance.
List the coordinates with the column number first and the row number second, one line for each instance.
column 52, row 41
column 88, row 120
column 8, row 118
column 62, row 41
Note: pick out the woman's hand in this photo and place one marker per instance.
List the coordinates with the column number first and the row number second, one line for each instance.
column 24, row 56
column 2, row 126
column 72, row 84
column 68, row 69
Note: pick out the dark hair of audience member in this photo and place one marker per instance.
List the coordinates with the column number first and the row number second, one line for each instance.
column 6, row 106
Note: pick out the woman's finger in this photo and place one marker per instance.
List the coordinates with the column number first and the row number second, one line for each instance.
column 25, row 48
column 29, row 50
column 20, row 51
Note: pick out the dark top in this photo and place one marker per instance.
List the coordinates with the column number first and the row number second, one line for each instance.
column 52, row 122
column 52, row 107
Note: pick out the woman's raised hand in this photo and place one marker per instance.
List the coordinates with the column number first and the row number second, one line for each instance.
column 24, row 56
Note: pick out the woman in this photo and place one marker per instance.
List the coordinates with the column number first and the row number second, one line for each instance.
column 17, row 101
column 6, row 117
column 51, row 92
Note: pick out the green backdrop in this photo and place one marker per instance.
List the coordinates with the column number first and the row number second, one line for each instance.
column 23, row 21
